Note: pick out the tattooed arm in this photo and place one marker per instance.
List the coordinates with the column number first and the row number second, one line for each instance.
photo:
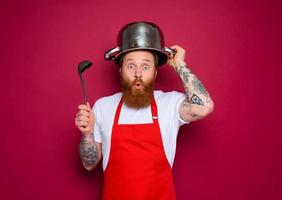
column 89, row 150
column 198, row 103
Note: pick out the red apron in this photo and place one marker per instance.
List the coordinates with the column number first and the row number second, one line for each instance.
column 137, row 168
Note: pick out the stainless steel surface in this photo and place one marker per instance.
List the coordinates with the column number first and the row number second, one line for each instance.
column 110, row 54
column 140, row 36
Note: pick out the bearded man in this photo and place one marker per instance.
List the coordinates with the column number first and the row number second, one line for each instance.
column 135, row 130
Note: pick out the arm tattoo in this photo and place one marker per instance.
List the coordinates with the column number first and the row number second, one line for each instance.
column 88, row 151
column 196, row 100
column 193, row 87
column 186, row 103
column 199, row 87
column 184, row 73
column 193, row 115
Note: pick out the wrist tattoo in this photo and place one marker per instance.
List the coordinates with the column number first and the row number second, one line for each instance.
column 88, row 151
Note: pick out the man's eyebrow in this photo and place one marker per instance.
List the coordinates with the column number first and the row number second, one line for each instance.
column 147, row 59
column 130, row 59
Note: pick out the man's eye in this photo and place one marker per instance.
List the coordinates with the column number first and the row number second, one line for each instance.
column 146, row 67
column 130, row 66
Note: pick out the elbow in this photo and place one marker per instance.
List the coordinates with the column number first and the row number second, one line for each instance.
column 205, row 111
column 210, row 108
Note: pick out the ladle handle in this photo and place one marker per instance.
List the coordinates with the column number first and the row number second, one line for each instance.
column 84, row 89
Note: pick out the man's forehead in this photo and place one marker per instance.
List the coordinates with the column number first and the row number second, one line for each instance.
column 139, row 55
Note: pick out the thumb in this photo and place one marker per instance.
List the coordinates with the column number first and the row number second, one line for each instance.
column 88, row 106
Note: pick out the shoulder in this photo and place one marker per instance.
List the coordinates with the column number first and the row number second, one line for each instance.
column 169, row 101
column 168, row 96
column 108, row 100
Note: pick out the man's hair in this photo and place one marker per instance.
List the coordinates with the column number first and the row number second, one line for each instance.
column 156, row 59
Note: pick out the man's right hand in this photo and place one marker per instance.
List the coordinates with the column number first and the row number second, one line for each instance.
column 84, row 119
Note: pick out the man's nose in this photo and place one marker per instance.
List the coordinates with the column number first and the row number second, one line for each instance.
column 138, row 72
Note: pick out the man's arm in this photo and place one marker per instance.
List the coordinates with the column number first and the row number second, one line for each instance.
column 198, row 103
column 89, row 150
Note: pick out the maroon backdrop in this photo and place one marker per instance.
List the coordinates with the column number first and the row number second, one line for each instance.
column 233, row 46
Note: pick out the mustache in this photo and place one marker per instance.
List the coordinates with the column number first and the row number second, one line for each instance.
column 137, row 80
column 137, row 98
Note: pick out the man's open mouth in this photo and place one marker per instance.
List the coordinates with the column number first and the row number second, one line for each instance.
column 138, row 85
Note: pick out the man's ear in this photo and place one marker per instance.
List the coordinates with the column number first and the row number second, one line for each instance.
column 156, row 72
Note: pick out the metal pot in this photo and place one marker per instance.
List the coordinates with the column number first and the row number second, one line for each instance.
column 140, row 36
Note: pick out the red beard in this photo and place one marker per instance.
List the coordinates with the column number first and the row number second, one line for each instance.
column 137, row 98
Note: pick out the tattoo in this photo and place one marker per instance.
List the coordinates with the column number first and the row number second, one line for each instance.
column 186, row 103
column 199, row 87
column 195, row 91
column 196, row 100
column 208, row 100
column 88, row 151
column 185, row 74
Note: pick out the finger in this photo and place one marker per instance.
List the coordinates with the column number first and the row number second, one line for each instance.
column 88, row 106
column 83, row 107
column 83, row 118
column 171, row 55
column 83, row 113
column 82, row 129
column 82, row 124
column 177, row 48
column 79, row 116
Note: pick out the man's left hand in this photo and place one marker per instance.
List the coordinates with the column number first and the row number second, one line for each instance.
column 178, row 59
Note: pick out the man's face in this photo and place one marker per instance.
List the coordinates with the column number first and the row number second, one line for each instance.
column 138, row 73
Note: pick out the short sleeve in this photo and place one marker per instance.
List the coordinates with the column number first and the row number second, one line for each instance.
column 97, row 130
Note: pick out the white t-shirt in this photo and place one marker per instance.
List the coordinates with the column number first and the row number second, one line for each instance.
column 169, row 120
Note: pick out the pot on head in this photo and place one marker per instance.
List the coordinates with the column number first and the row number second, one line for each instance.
column 140, row 36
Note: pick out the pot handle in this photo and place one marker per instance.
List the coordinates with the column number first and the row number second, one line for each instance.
column 170, row 51
column 111, row 54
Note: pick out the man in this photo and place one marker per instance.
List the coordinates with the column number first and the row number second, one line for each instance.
column 136, row 130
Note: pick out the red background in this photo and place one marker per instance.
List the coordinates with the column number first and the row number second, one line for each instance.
column 234, row 47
